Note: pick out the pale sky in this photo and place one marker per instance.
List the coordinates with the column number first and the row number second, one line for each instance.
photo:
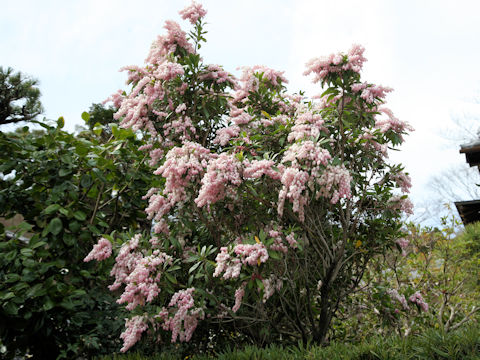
column 428, row 51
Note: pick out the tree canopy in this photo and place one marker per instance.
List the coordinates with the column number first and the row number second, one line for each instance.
column 19, row 97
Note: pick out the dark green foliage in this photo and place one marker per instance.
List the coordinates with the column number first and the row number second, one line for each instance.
column 432, row 345
column 69, row 190
column 19, row 97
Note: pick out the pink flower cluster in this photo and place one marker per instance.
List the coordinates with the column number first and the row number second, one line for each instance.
column 403, row 181
column 279, row 243
column 225, row 134
column 309, row 151
column 239, row 294
column 134, row 328
column 403, row 243
column 185, row 320
column 216, row 73
column 371, row 92
column 397, row 202
column 125, row 262
column 221, row 171
column 193, row 12
column 335, row 63
column 391, row 123
column 382, row 149
column 101, row 251
column 252, row 255
column 294, row 183
column 400, row 298
column 271, row 285
column 247, row 254
column 181, row 166
column 142, row 282
column 418, row 299
column 335, row 183
column 307, row 125
column 250, row 83
column 167, row 44
column 257, row 168
column 225, row 263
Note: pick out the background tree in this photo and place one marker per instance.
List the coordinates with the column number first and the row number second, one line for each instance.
column 19, row 97
column 69, row 189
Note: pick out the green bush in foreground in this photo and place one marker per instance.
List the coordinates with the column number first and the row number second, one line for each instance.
column 432, row 345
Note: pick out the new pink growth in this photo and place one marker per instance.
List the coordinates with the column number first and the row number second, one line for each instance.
column 101, row 251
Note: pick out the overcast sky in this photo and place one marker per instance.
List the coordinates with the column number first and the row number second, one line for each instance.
column 428, row 51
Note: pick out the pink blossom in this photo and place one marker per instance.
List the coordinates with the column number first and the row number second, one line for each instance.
column 217, row 74
column 403, row 243
column 334, row 63
column 252, row 255
column 294, row 183
column 257, row 168
column 168, row 43
column 193, row 12
column 391, row 123
column 125, row 262
column 418, row 299
column 101, row 251
column 400, row 298
column 307, row 125
column 403, row 181
column 134, row 328
column 335, row 183
column 221, row 172
column 185, row 319
column 398, row 202
column 141, row 283
column 271, row 285
column 239, row 293
column 225, row 134
column 309, row 151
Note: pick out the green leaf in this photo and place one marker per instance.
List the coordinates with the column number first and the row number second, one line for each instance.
column 69, row 239
column 170, row 278
column 194, row 267
column 26, row 252
column 86, row 116
column 51, row 208
column 80, row 215
column 48, row 304
column 86, row 181
column 10, row 308
column 60, row 122
column 9, row 278
column 55, row 226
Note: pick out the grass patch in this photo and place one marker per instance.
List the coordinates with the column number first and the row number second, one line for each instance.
column 463, row 344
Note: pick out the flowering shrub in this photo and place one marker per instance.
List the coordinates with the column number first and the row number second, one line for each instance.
column 270, row 204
